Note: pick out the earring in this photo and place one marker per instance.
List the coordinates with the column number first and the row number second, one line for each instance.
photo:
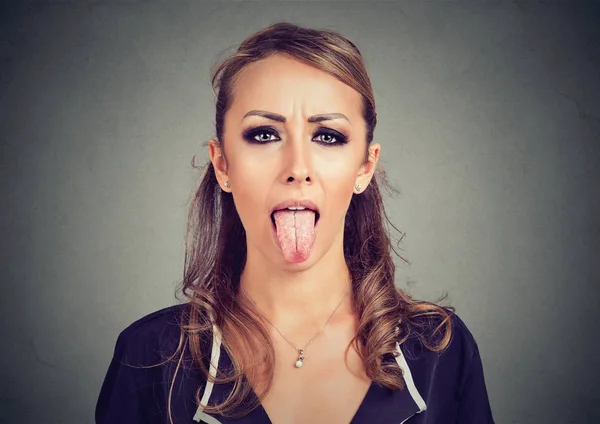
column 227, row 184
column 358, row 187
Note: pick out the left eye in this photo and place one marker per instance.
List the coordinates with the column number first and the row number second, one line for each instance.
column 327, row 138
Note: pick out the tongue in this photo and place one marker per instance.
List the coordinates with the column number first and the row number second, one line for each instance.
column 295, row 233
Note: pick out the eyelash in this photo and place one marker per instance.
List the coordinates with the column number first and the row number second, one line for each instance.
column 253, row 132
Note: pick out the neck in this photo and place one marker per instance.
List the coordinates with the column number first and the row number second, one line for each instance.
column 292, row 298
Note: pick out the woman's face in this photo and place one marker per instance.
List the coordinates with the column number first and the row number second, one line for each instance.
column 271, row 159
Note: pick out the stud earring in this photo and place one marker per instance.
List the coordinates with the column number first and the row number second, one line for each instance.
column 358, row 187
column 227, row 184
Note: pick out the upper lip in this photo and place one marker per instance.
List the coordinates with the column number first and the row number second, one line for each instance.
column 295, row 202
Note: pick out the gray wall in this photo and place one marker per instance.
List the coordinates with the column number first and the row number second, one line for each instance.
column 489, row 119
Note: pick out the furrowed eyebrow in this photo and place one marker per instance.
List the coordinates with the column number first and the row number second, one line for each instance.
column 327, row 117
column 280, row 118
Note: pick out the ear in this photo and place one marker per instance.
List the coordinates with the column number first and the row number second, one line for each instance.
column 219, row 162
column 366, row 171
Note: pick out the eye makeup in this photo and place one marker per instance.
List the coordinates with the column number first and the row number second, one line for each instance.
column 264, row 133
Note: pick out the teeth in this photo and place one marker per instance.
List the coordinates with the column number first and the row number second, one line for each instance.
column 296, row 208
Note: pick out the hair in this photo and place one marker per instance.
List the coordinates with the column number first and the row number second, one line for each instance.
column 215, row 253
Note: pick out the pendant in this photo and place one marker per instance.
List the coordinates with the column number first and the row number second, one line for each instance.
column 300, row 358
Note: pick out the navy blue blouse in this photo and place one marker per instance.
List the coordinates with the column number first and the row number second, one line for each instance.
column 441, row 388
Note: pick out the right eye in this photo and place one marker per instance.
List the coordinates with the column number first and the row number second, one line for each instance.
column 260, row 135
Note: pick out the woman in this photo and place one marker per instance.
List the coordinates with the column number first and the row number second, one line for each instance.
column 292, row 314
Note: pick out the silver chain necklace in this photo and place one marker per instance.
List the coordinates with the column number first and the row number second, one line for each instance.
column 300, row 351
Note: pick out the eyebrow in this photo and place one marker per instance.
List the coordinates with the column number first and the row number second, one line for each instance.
column 280, row 118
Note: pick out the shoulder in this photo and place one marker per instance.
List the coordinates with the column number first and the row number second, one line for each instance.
column 448, row 367
column 461, row 338
column 439, row 327
column 152, row 336
column 143, row 367
column 156, row 321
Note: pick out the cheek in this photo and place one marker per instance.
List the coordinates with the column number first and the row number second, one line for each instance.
column 338, row 184
column 249, row 202
column 336, row 176
column 251, row 181
column 336, row 164
column 250, row 167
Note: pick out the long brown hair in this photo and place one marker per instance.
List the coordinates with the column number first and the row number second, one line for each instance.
column 216, row 242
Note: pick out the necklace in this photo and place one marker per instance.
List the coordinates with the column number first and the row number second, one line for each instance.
column 300, row 351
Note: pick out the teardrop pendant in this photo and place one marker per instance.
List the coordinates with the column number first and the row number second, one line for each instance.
column 300, row 358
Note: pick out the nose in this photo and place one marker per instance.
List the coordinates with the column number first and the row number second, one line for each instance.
column 298, row 164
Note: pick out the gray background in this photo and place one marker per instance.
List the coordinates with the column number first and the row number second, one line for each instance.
column 489, row 121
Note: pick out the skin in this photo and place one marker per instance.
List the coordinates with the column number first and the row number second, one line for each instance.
column 297, row 297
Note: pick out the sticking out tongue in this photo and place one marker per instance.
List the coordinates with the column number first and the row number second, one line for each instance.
column 295, row 233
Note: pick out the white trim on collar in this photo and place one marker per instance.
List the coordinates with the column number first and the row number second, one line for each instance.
column 204, row 417
column 408, row 379
column 214, row 363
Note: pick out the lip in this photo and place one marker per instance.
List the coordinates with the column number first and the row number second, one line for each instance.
column 309, row 204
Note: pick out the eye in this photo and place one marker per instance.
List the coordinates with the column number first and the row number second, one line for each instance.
column 330, row 137
column 260, row 135
column 267, row 134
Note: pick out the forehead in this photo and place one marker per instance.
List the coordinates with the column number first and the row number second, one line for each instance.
column 284, row 85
